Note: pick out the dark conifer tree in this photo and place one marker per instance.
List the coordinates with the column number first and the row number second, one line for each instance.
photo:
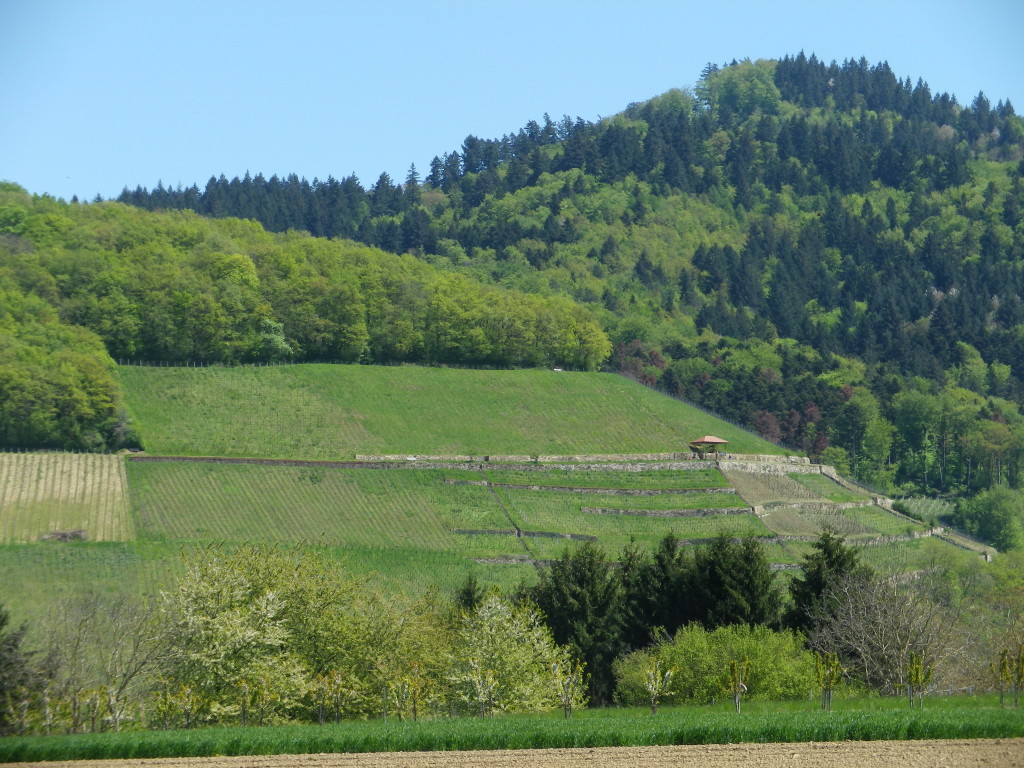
column 581, row 598
column 831, row 561
column 735, row 584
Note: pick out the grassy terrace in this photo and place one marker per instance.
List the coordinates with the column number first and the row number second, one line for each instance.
column 337, row 411
column 379, row 516
column 650, row 479
column 827, row 487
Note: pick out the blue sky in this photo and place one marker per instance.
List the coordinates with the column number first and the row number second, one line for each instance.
column 97, row 95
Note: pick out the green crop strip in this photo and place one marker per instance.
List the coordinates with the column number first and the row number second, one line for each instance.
column 764, row 723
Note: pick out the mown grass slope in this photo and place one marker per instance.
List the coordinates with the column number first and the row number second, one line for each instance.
column 338, row 411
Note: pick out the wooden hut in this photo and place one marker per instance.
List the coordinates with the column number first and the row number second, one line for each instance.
column 708, row 444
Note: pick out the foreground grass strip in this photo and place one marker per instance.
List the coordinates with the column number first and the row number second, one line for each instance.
column 590, row 729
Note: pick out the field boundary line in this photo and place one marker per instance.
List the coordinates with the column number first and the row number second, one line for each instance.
column 508, row 515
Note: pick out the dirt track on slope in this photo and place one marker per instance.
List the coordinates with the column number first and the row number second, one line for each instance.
column 991, row 753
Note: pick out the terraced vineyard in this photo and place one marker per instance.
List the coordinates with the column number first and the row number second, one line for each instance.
column 415, row 525
column 827, row 487
column 410, row 525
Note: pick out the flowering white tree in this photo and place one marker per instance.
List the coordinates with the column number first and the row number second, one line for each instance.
column 226, row 639
column 503, row 661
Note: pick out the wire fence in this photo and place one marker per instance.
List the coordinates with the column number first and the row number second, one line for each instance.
column 278, row 363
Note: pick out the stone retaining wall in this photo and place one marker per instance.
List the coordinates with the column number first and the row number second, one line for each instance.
column 523, row 534
column 812, row 506
column 596, row 491
column 880, row 540
column 591, row 458
column 704, row 512
column 777, row 468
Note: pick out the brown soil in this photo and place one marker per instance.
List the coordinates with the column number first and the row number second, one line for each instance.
column 991, row 753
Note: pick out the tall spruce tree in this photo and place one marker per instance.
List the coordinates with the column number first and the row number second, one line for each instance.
column 734, row 583
column 581, row 598
column 830, row 562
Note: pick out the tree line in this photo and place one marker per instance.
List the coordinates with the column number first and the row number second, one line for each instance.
column 260, row 635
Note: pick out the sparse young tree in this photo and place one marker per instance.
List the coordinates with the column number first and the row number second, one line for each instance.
column 570, row 683
column 828, row 672
column 919, row 675
column 657, row 681
column 738, row 673
column 1008, row 673
column 874, row 623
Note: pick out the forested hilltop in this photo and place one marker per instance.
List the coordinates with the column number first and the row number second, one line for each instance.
column 825, row 252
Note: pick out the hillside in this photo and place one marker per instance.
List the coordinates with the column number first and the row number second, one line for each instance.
column 828, row 254
column 279, row 450
column 279, row 441
column 338, row 412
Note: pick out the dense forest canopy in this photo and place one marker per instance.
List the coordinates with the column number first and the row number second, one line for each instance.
column 84, row 283
column 825, row 252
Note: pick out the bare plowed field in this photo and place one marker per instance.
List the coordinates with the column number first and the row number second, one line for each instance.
column 992, row 753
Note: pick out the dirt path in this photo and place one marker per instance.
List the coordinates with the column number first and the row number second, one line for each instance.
column 991, row 753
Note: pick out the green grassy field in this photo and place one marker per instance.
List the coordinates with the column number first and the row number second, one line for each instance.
column 761, row 722
column 337, row 411
column 37, row 577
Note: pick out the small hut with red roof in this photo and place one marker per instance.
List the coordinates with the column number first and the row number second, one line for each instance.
column 708, row 444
